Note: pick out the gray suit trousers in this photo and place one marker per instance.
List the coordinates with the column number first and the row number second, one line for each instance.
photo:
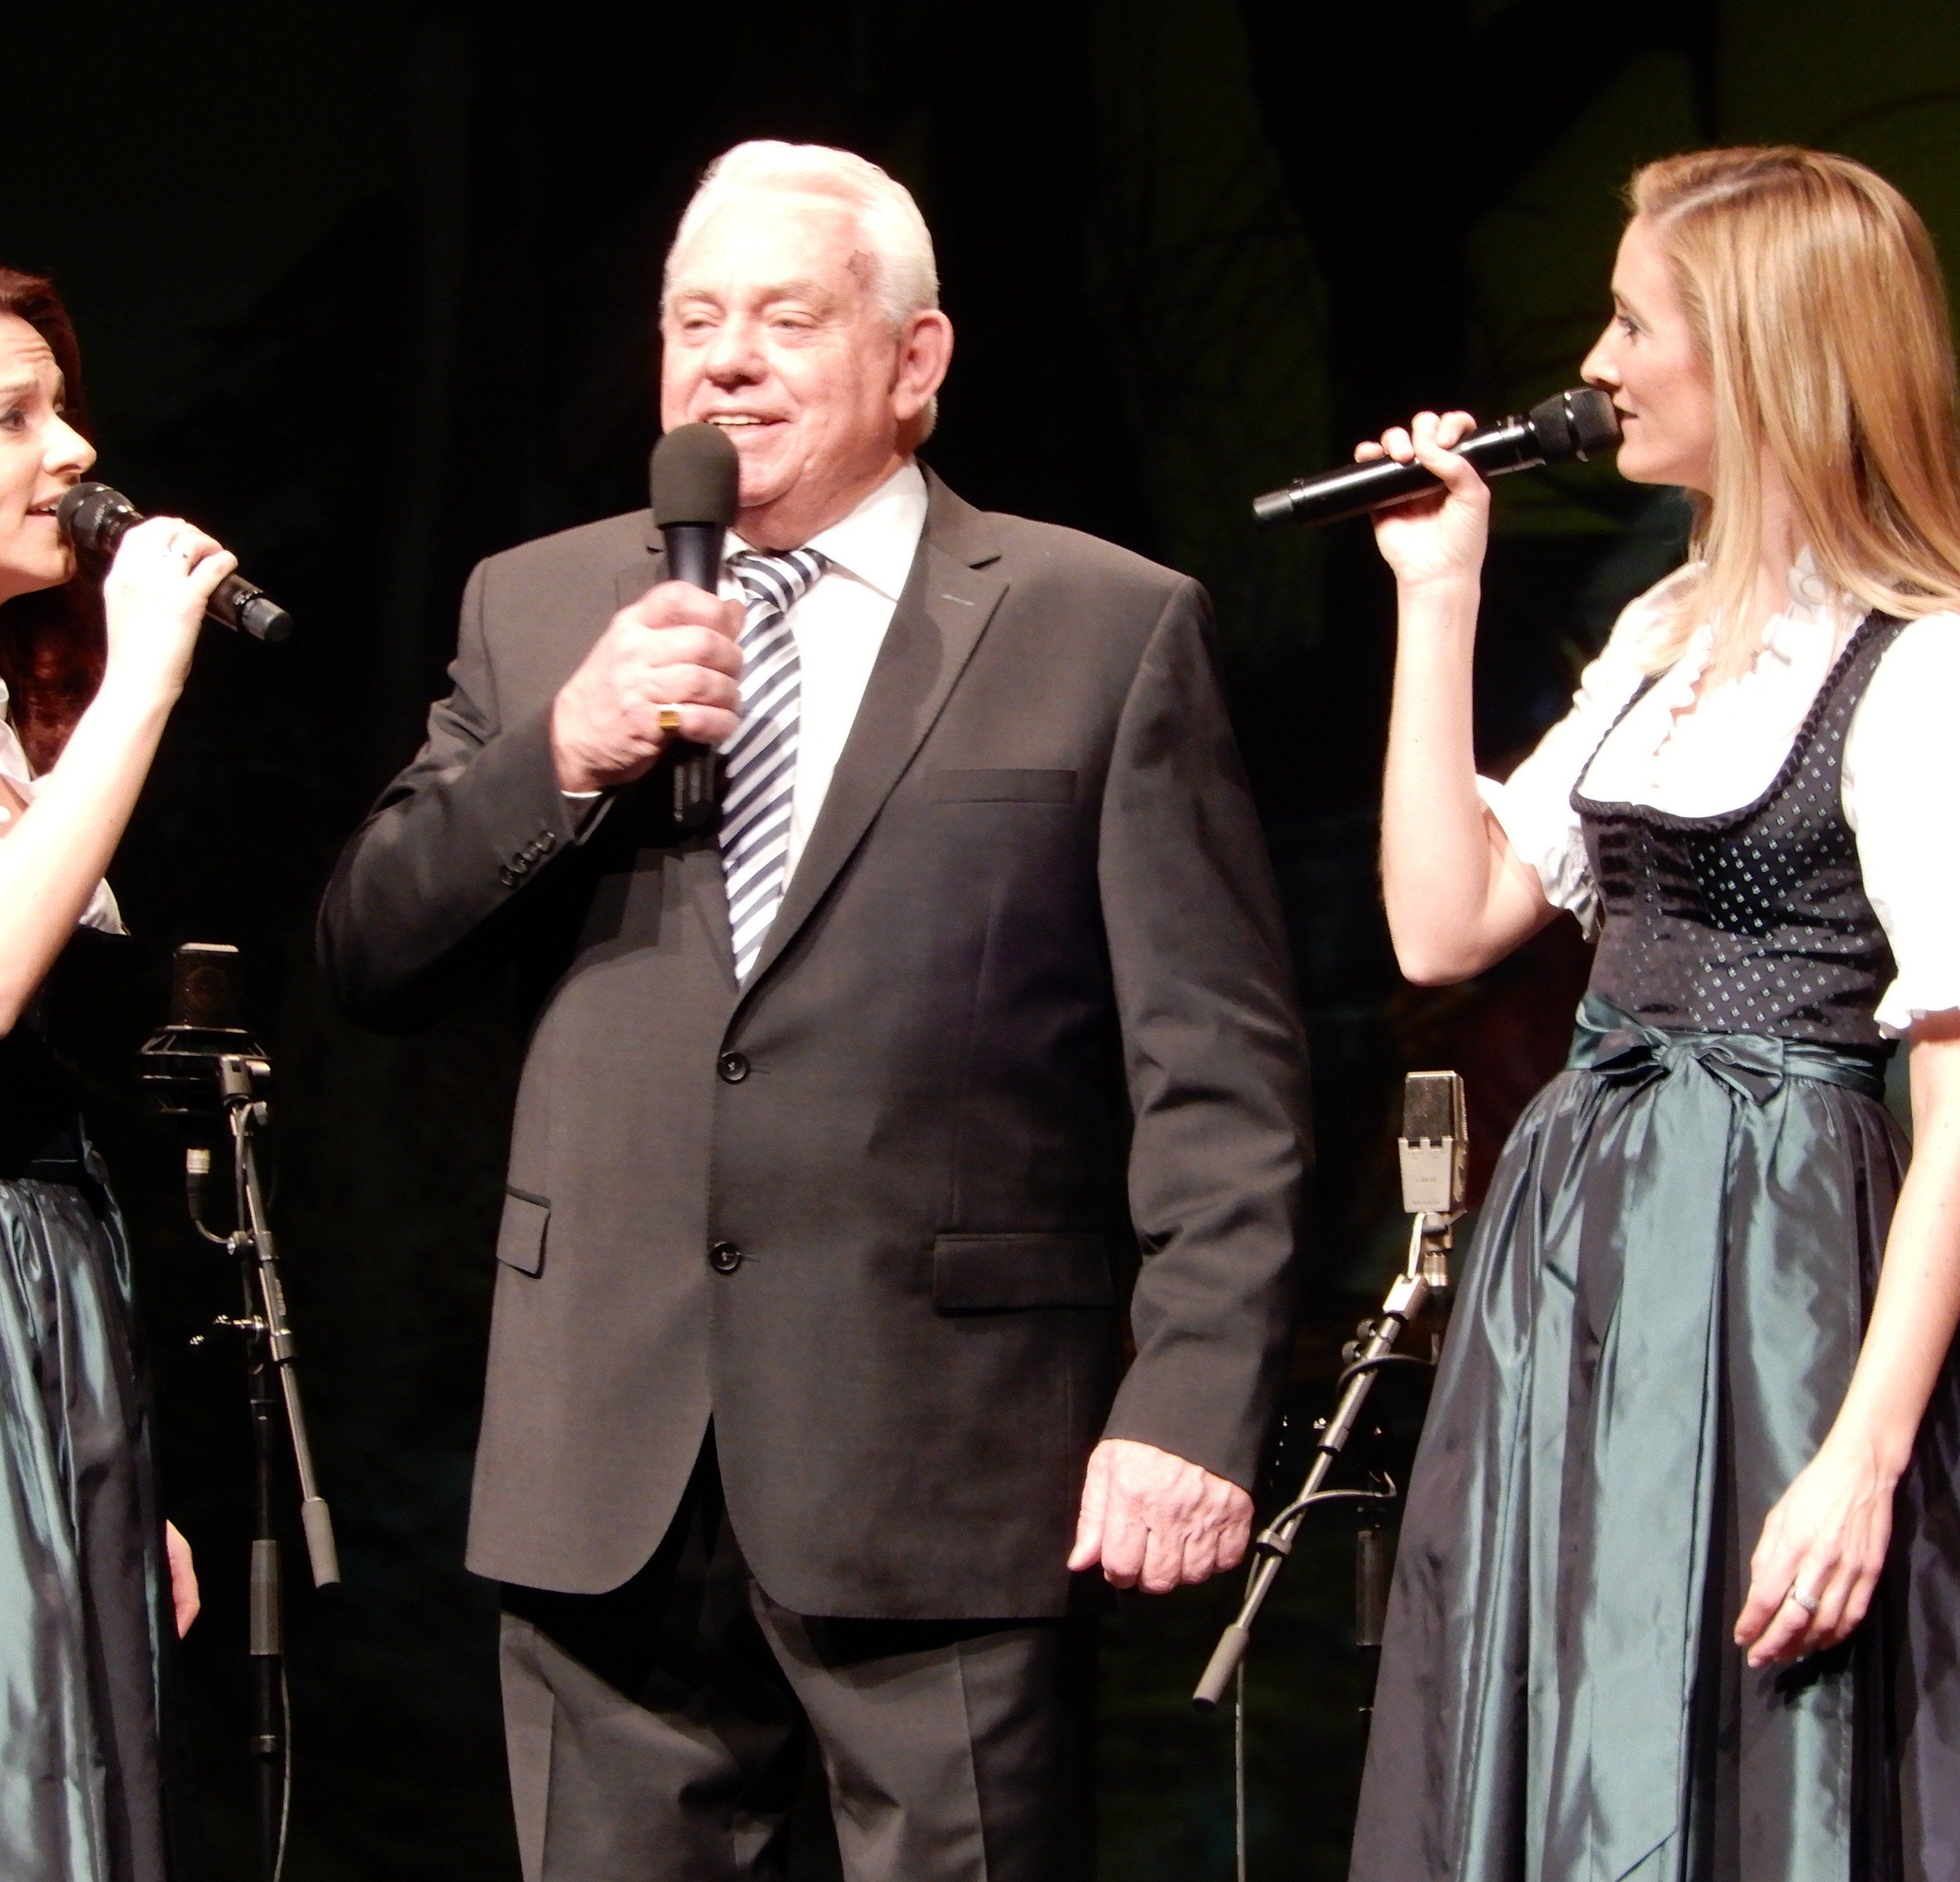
column 658, row 1733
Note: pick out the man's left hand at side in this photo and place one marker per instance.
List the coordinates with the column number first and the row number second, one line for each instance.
column 1156, row 1521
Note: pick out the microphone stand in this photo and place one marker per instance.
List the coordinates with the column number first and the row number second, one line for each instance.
column 204, row 1045
column 1373, row 1352
column 271, row 1384
column 1434, row 1151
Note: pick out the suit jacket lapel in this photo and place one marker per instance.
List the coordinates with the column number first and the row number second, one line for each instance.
column 949, row 599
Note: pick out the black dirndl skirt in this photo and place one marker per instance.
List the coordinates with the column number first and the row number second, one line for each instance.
column 1660, row 1314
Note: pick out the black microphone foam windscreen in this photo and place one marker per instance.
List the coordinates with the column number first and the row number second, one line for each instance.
column 95, row 518
column 694, row 476
column 1581, row 423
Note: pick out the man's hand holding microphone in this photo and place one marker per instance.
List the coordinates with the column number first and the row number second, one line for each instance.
column 666, row 667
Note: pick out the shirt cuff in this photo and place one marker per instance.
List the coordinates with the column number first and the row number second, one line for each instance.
column 1908, row 1000
column 1564, row 880
column 103, row 912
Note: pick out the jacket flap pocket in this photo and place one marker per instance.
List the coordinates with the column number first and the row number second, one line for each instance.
column 1000, row 787
column 521, row 1241
column 979, row 1274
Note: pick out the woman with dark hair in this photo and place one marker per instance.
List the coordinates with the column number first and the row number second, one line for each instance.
column 88, row 1569
column 1677, row 1596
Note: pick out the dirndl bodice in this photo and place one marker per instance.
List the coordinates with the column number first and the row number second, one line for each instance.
column 1660, row 1312
column 1754, row 921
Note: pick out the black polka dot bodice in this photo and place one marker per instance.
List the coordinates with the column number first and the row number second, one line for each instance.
column 1755, row 921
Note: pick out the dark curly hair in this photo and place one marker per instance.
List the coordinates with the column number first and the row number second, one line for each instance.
column 51, row 644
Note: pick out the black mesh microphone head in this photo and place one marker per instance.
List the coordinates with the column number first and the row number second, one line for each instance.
column 94, row 518
column 1580, row 424
column 694, row 477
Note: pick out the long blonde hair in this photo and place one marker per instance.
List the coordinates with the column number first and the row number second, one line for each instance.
column 1818, row 302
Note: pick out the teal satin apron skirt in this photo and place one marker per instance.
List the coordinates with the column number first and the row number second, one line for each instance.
column 1656, row 1321
column 83, row 1590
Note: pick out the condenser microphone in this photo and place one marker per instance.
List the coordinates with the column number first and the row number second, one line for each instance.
column 1434, row 1153
column 694, row 478
column 1574, row 426
column 95, row 519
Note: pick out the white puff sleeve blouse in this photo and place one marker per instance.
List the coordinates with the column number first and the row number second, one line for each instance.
column 101, row 911
column 1699, row 757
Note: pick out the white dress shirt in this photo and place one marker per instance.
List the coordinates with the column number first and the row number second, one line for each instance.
column 1699, row 757
column 101, row 911
column 839, row 626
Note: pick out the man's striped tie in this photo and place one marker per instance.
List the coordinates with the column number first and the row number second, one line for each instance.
column 760, row 780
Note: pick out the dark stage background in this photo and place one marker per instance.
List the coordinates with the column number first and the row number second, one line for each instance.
column 366, row 287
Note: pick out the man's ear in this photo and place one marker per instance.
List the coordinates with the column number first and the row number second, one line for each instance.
column 925, row 352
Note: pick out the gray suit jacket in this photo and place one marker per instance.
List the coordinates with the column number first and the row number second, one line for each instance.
column 1023, row 1030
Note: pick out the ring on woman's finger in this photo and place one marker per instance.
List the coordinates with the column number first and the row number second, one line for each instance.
column 668, row 718
column 1809, row 1602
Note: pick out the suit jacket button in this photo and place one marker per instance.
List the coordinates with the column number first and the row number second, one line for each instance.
column 733, row 1067
column 724, row 1257
column 508, row 876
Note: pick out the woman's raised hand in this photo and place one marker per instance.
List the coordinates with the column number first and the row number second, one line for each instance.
column 1440, row 538
column 153, row 597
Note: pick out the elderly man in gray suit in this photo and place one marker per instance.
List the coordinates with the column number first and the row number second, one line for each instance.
column 849, row 1122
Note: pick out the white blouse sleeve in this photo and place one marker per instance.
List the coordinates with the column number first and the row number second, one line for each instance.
column 102, row 911
column 1900, row 783
column 1533, row 807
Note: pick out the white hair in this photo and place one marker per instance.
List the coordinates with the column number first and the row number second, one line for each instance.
column 893, row 231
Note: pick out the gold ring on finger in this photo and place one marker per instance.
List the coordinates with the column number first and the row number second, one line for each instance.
column 668, row 718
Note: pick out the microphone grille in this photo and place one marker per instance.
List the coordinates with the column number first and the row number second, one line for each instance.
column 1595, row 423
column 694, row 477
column 204, row 986
column 1580, row 424
column 93, row 517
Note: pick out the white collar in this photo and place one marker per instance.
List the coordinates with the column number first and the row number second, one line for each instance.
column 1806, row 633
column 1814, row 606
column 878, row 540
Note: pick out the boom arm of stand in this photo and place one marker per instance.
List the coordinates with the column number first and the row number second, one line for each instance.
column 1403, row 1302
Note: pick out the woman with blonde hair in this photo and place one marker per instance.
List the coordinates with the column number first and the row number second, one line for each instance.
column 1677, row 1592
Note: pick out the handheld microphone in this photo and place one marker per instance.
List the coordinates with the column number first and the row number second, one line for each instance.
column 95, row 519
column 1576, row 424
column 694, row 478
